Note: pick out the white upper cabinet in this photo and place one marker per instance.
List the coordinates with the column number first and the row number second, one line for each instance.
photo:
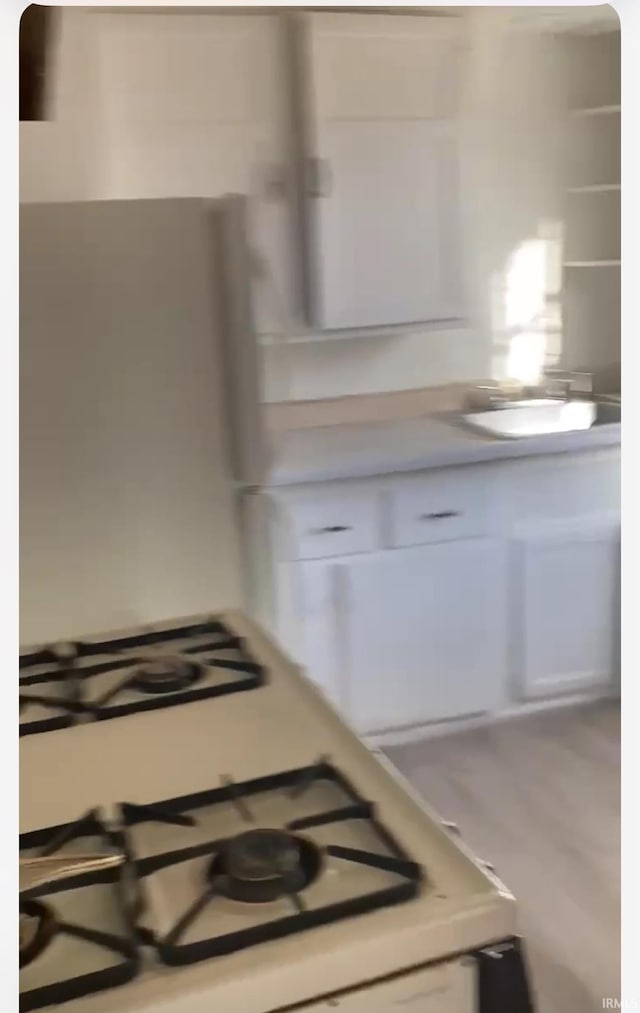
column 189, row 102
column 380, row 96
column 194, row 105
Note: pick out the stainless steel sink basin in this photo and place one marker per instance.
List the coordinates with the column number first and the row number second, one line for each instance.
column 542, row 416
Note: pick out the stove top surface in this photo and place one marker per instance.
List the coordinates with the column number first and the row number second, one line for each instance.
column 94, row 679
column 251, row 856
column 206, row 875
column 251, row 862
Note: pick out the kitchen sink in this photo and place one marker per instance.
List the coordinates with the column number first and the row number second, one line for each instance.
column 542, row 416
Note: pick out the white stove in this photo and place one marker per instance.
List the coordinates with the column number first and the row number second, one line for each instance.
column 272, row 861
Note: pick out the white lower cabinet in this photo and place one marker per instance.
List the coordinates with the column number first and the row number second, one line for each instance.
column 565, row 608
column 456, row 591
column 407, row 636
column 319, row 616
column 423, row 633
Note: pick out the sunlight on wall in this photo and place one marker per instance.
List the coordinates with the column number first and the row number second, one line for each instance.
column 524, row 305
column 526, row 308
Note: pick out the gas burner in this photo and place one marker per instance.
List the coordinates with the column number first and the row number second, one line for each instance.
column 166, row 673
column 262, row 865
column 37, row 928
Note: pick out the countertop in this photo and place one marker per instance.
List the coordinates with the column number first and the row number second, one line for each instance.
column 362, row 450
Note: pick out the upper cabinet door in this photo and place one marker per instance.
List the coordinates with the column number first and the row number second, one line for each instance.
column 381, row 168
column 189, row 102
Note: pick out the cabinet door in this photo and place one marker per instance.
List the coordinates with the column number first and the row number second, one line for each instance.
column 188, row 102
column 310, row 609
column 381, row 180
column 566, row 601
column 424, row 633
column 192, row 106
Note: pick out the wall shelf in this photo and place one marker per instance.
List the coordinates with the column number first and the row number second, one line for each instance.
column 592, row 204
column 596, row 111
column 592, row 263
column 594, row 188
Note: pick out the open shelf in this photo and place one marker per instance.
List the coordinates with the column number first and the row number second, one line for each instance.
column 592, row 263
column 593, row 225
column 593, row 152
column 596, row 111
column 593, row 73
column 591, row 318
column 591, row 276
column 594, row 188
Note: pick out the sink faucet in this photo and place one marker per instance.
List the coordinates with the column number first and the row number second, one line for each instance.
column 568, row 382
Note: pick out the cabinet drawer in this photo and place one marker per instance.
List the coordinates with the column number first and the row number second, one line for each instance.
column 438, row 507
column 564, row 486
column 333, row 524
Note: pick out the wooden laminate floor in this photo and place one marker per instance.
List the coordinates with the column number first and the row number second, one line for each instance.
column 539, row 797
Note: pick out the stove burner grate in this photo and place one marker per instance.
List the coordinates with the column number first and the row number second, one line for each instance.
column 37, row 928
column 139, row 671
column 271, row 864
column 110, row 958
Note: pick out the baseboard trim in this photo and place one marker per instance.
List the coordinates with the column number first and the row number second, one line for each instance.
column 415, row 733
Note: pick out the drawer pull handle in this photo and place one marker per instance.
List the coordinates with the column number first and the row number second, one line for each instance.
column 440, row 515
column 331, row 529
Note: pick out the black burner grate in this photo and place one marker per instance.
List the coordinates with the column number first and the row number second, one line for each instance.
column 40, row 903
column 405, row 876
column 56, row 682
column 227, row 866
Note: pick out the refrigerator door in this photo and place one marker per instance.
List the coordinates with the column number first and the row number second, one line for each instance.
column 127, row 510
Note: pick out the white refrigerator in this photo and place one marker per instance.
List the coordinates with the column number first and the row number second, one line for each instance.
column 142, row 444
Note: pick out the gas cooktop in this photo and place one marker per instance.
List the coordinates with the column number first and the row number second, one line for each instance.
column 95, row 679
column 205, row 875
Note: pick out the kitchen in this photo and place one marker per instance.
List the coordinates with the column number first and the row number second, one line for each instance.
column 426, row 575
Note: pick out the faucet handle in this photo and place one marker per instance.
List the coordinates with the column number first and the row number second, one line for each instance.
column 572, row 380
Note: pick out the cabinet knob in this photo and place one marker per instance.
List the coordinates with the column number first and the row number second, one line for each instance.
column 331, row 529
column 439, row 515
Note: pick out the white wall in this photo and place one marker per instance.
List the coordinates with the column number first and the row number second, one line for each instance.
column 214, row 125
